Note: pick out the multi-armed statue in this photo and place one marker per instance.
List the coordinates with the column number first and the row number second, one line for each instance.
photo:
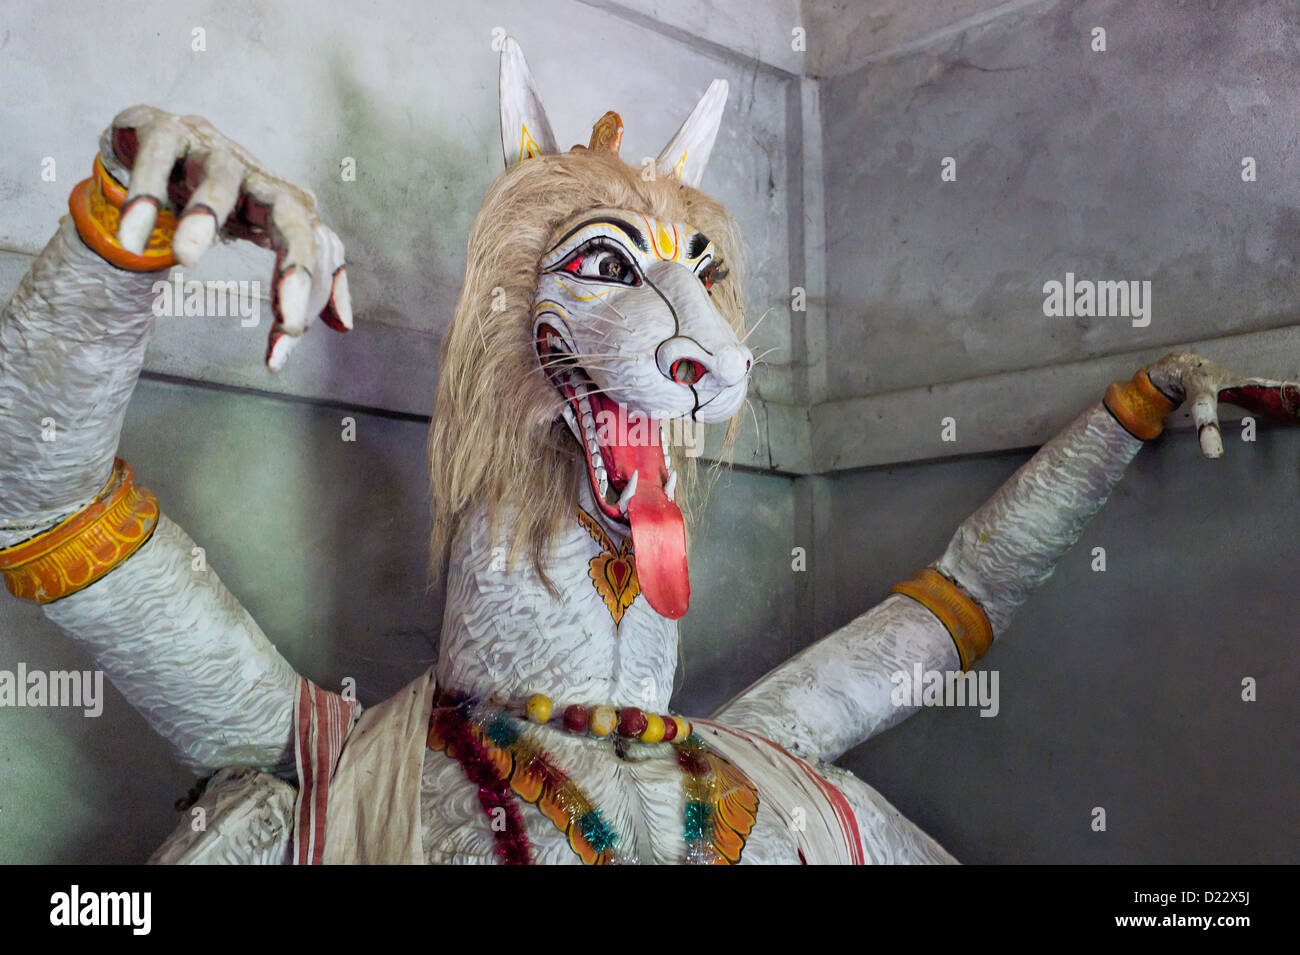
column 602, row 306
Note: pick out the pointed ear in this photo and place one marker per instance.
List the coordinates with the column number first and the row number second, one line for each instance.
column 687, row 153
column 525, row 130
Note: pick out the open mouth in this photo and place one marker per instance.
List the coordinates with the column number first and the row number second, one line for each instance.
column 630, row 473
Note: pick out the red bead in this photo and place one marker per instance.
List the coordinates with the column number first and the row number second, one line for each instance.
column 670, row 729
column 575, row 718
column 631, row 722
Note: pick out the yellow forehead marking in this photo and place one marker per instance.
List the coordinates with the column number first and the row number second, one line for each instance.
column 665, row 242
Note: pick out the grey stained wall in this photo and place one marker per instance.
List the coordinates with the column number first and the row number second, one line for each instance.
column 1119, row 689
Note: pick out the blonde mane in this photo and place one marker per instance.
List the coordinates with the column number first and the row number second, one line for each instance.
column 496, row 438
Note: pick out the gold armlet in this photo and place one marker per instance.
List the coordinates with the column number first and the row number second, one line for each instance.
column 80, row 550
column 96, row 207
column 1138, row 405
column 962, row 616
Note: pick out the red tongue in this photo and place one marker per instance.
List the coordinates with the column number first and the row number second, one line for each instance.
column 659, row 542
column 658, row 531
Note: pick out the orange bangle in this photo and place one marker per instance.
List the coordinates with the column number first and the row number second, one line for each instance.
column 1138, row 405
column 964, row 619
column 80, row 550
column 96, row 207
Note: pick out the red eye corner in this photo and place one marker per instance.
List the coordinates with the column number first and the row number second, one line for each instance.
column 687, row 371
column 574, row 265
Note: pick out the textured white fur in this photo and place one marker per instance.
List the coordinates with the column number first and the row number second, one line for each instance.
column 72, row 339
column 179, row 646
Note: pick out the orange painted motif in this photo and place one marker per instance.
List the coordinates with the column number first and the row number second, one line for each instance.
column 613, row 572
column 735, row 809
column 607, row 133
column 79, row 551
column 96, row 207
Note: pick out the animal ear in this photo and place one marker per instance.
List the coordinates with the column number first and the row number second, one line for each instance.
column 525, row 130
column 687, row 153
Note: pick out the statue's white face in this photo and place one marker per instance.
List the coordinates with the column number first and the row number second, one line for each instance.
column 628, row 334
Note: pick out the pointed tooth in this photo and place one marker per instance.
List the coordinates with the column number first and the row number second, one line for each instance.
column 597, row 462
column 671, row 487
column 626, row 496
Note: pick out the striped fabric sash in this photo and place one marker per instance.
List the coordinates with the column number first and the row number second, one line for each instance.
column 322, row 721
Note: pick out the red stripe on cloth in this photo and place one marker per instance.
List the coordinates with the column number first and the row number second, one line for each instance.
column 322, row 721
column 843, row 811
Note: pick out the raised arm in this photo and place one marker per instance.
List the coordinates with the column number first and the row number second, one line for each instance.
column 76, row 533
column 839, row 691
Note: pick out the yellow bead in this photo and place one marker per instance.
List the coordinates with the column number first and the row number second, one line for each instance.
column 603, row 720
column 654, row 729
column 538, row 708
column 683, row 729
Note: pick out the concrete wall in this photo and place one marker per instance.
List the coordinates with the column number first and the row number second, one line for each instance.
column 1119, row 689
column 1115, row 165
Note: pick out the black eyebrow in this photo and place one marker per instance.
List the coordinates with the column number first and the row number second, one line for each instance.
column 699, row 242
column 632, row 231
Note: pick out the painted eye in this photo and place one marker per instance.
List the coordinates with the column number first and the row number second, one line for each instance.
column 713, row 273
column 687, row 371
column 603, row 261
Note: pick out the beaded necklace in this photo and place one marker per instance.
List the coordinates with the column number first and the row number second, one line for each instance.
column 503, row 760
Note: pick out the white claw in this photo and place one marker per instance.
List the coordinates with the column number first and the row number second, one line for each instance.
column 295, row 289
column 626, row 496
column 342, row 298
column 134, row 229
column 194, row 236
column 1211, row 441
column 671, row 487
column 280, row 352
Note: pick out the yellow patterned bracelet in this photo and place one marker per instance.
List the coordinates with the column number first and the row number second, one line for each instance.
column 96, row 207
column 964, row 619
column 80, row 550
column 1138, row 405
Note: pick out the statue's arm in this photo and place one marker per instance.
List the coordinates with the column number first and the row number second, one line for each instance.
column 839, row 691
column 161, row 625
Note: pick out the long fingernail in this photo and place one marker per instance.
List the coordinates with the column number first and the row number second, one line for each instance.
column 137, row 223
column 295, row 289
column 342, row 298
column 1211, row 441
column 278, row 353
column 194, row 236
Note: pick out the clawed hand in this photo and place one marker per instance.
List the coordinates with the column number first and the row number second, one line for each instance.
column 1186, row 377
column 184, row 163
